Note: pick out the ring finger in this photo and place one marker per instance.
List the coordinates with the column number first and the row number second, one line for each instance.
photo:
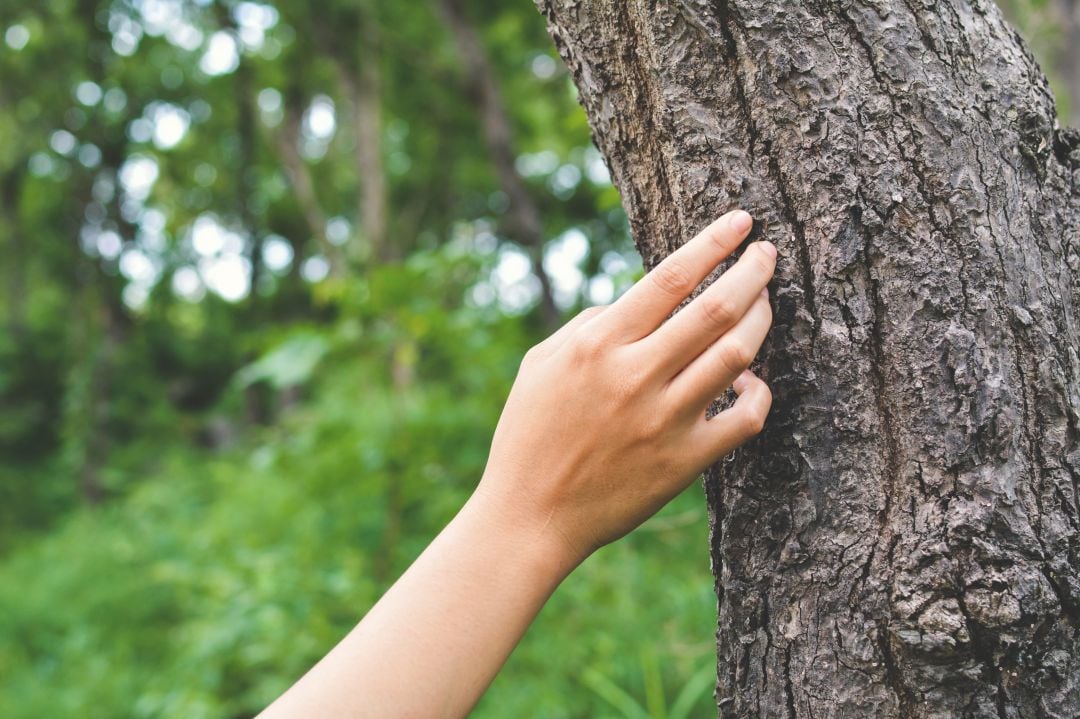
column 708, row 376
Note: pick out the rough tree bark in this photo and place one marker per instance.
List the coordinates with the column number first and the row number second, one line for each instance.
column 902, row 541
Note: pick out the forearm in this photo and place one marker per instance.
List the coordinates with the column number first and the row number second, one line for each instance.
column 606, row 422
column 433, row 643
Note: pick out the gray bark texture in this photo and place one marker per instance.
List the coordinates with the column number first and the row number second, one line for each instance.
column 902, row 540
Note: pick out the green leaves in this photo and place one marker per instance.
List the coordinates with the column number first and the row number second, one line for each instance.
column 269, row 446
column 288, row 365
column 216, row 582
column 692, row 697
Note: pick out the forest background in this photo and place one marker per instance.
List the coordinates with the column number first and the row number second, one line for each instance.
column 268, row 269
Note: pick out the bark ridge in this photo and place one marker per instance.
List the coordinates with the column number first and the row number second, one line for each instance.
column 903, row 539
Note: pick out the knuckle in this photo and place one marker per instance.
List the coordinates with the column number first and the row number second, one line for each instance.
column 628, row 386
column 753, row 421
column 625, row 383
column 652, row 426
column 718, row 310
column 716, row 236
column 634, row 381
column 589, row 312
column 736, row 355
column 532, row 355
column 588, row 347
column 754, row 415
column 764, row 262
column 672, row 277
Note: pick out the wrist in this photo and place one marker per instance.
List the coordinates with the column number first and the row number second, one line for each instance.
column 528, row 534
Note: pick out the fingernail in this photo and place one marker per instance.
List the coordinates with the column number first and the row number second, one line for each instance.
column 740, row 221
column 769, row 248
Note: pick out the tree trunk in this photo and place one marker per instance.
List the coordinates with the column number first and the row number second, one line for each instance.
column 523, row 221
column 358, row 67
column 247, row 133
column 14, row 243
column 287, row 144
column 374, row 198
column 902, row 540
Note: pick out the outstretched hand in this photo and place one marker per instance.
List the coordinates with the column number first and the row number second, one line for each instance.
column 606, row 421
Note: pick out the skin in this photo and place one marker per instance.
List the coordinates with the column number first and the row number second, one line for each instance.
column 604, row 425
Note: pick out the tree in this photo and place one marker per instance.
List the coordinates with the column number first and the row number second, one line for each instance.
column 902, row 540
column 1069, row 61
column 523, row 219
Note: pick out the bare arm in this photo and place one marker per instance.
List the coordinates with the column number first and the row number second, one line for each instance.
column 604, row 425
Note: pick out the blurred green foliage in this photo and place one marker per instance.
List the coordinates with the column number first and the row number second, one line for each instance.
column 1049, row 27
column 217, row 446
column 215, row 452
column 209, row 588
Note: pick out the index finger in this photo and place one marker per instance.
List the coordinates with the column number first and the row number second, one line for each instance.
column 648, row 303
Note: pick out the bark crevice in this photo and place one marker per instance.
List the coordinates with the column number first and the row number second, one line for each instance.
column 902, row 541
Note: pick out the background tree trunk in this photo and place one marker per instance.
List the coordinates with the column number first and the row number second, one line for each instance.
column 902, row 540
column 362, row 84
column 523, row 221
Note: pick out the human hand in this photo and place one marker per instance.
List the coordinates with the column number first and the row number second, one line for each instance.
column 605, row 424
column 606, row 420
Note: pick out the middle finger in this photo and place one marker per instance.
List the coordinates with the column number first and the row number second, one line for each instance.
column 716, row 310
